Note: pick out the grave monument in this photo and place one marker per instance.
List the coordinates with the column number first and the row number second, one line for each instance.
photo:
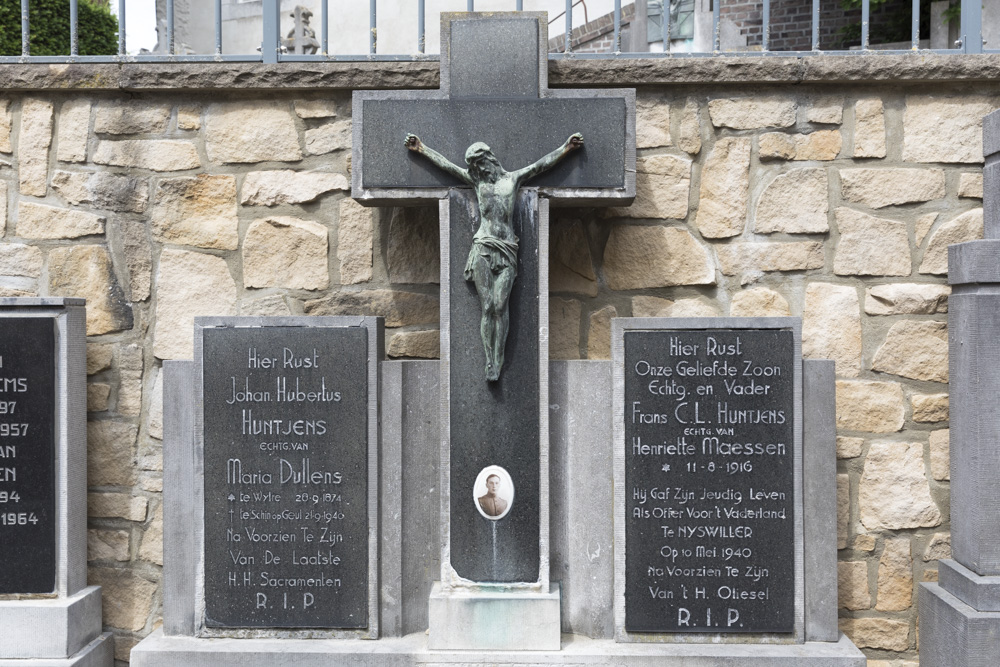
column 48, row 614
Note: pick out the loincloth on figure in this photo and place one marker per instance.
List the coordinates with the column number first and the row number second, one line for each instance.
column 498, row 254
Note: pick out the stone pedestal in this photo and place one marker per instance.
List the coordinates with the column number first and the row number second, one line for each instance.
column 500, row 621
column 960, row 615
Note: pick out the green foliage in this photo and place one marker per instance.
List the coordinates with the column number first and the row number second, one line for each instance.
column 890, row 22
column 97, row 28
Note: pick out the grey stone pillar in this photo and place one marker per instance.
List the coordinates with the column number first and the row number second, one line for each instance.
column 960, row 615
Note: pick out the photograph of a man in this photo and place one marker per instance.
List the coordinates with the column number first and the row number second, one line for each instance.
column 491, row 503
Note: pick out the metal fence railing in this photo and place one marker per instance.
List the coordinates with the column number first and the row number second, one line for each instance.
column 274, row 48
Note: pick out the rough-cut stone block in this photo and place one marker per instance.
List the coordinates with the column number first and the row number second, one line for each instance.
column 108, row 545
column 650, row 306
column 99, row 356
column 879, row 188
column 116, row 506
column 652, row 122
column 689, row 130
column 869, row 128
column 328, row 138
column 97, row 396
column 315, row 108
column 130, row 380
column 929, row 408
column 966, row 227
column 870, row 246
column 938, row 548
column 138, row 259
column 198, row 211
column 151, row 548
column 698, row 307
column 355, row 240
column 737, row 258
column 86, row 271
column 111, row 453
column 247, row 132
column 725, row 188
column 399, row 309
column 599, row 334
column 662, row 189
column 71, row 186
column 962, row 115
column 922, row 225
column 751, row 113
column 895, row 576
column 18, row 259
column 820, row 145
column 412, row 256
column 3, row 208
column 831, row 326
column 873, row 407
column 796, row 202
column 940, row 455
column 274, row 305
column 877, row 633
column 188, row 284
column 281, row 251
column 894, row 492
column 155, row 415
column 152, row 154
column 843, row 509
column 970, row 185
column 907, row 299
column 639, row 256
column 33, row 146
column 131, row 117
column 915, row 349
column 189, row 118
column 864, row 542
column 37, row 221
column 285, row 186
column 564, row 328
column 571, row 268
column 127, row 597
column 415, row 344
column 828, row 110
column 118, row 192
column 5, row 127
column 852, row 585
column 848, row 447
column 758, row 302
column 73, row 131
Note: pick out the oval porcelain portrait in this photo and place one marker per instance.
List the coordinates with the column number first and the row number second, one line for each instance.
column 493, row 492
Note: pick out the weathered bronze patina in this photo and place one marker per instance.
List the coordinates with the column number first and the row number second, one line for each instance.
column 492, row 263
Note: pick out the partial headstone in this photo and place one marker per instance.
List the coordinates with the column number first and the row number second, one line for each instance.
column 47, row 611
column 960, row 615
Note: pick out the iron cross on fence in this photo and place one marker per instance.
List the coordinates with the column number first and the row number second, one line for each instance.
column 494, row 97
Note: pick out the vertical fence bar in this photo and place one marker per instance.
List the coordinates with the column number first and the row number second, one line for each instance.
column 765, row 26
column 617, row 46
column 916, row 24
column 271, row 42
column 25, row 30
column 716, row 14
column 324, row 10
column 421, row 36
column 471, row 5
column 569, row 26
column 170, row 27
column 218, row 27
column 972, row 26
column 815, row 25
column 865, row 18
column 74, row 28
column 520, row 5
column 665, row 24
column 121, row 27
column 372, row 26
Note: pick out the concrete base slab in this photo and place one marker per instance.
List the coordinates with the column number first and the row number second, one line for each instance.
column 159, row 651
column 953, row 634
column 494, row 621
column 50, row 628
column 98, row 653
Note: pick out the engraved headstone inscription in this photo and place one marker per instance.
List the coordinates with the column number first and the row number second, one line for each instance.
column 287, row 484
column 27, row 455
column 709, row 420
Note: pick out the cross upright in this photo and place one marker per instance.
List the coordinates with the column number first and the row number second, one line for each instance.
column 494, row 431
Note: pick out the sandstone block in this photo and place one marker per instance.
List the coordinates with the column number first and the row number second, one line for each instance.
column 273, row 305
column 33, row 146
column 152, row 154
column 877, row 633
column 651, row 306
column 116, row 506
column 416, row 344
column 151, row 548
column 907, row 299
column 864, row 542
column 74, row 129
column 796, row 202
column 189, row 118
column 938, row 548
column 355, row 240
column 869, row 128
column 118, row 192
column 819, row 145
column 97, row 396
column 571, row 268
column 915, row 349
column 188, row 284
column 564, row 328
column 286, row 252
column 852, row 585
column 895, row 576
column 127, row 598
column 849, row 448
column 246, row 132
column 725, row 188
column 315, row 108
column 970, row 185
column 108, row 545
column 922, row 225
column 652, row 122
column 86, row 271
column 758, row 302
column 894, row 493
column 413, row 255
column 737, row 258
column 71, row 186
column 599, row 336
column 130, row 380
column 662, row 189
column 399, row 309
column 831, row 326
column 940, row 455
column 198, row 211
column 843, row 509
column 5, row 127
column 689, row 131
column 285, row 186
column 638, row 256
column 138, row 259
column 694, row 308
column 879, row 188
column 3, row 207
column 99, row 356
column 751, row 113
column 871, row 246
column 111, row 453
column 828, row 110
column 926, row 115
column 966, row 227
column 929, row 408
column 37, row 221
column 131, row 117
column 776, row 145
column 155, row 416
column 18, row 259
column 865, row 405
column 327, row 138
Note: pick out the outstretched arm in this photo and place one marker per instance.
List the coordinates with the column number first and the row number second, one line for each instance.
column 574, row 142
column 441, row 162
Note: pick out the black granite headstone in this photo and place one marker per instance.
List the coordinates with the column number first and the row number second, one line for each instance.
column 27, row 455
column 286, row 477
column 709, row 481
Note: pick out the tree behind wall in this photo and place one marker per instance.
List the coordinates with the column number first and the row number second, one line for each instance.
column 98, row 28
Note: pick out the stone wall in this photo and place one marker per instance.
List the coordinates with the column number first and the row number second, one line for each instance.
column 835, row 202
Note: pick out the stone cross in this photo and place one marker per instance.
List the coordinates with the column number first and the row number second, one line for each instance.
column 494, row 89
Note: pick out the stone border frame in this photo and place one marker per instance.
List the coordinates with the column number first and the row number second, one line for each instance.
column 375, row 327
column 618, row 328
